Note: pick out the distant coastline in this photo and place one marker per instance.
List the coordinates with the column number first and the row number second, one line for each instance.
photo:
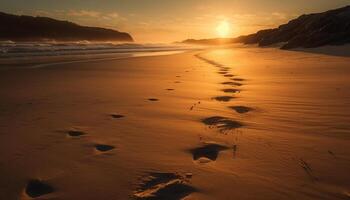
column 307, row 31
column 28, row 28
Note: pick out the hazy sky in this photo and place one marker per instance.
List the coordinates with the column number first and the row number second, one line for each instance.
column 167, row 21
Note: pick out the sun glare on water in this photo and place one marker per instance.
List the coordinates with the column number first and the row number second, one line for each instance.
column 223, row 29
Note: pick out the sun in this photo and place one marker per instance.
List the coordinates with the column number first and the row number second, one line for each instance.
column 223, row 29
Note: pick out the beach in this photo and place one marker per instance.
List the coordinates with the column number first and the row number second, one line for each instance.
column 222, row 123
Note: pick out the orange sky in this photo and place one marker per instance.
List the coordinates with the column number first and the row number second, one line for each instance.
column 168, row 21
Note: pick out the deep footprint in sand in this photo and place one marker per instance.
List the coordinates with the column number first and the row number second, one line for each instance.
column 153, row 99
column 103, row 147
column 229, row 75
column 222, row 123
column 36, row 188
column 232, row 83
column 164, row 186
column 238, row 79
column 207, row 152
column 116, row 116
column 75, row 133
column 231, row 90
column 222, row 72
column 241, row 109
column 170, row 89
column 224, row 98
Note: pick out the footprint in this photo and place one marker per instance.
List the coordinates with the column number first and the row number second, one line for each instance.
column 241, row 109
column 164, row 186
column 223, row 98
column 222, row 123
column 36, row 188
column 178, row 76
column 238, row 79
column 232, row 83
column 103, row 147
column 75, row 133
column 153, row 99
column 170, row 89
column 230, row 90
column 116, row 116
column 229, row 75
column 177, row 81
column 222, row 72
column 207, row 152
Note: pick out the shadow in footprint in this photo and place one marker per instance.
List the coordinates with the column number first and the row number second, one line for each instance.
column 232, row 83
column 222, row 72
column 230, row 90
column 223, row 98
column 36, row 188
column 116, row 116
column 75, row 133
column 170, row 89
column 238, row 79
column 167, row 186
column 207, row 151
column 222, row 123
column 229, row 75
column 153, row 99
column 241, row 109
column 103, row 147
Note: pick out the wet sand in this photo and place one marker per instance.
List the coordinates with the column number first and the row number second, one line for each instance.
column 243, row 123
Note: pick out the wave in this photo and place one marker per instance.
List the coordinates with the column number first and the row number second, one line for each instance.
column 10, row 49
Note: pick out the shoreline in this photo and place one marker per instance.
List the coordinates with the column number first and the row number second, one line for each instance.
column 44, row 61
column 49, row 60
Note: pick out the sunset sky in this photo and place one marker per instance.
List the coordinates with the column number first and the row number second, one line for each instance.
column 168, row 21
